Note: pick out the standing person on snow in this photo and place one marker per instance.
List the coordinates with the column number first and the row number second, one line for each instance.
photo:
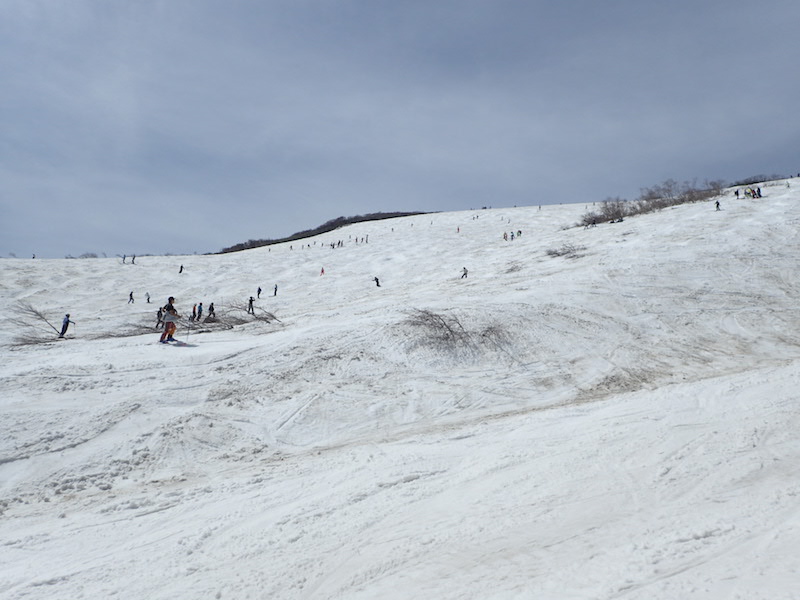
column 275, row 291
column 211, row 311
column 171, row 316
column 199, row 311
column 258, row 293
column 130, row 298
column 464, row 273
column 250, row 309
column 64, row 324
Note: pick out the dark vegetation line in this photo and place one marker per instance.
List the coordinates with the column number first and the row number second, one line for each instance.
column 324, row 228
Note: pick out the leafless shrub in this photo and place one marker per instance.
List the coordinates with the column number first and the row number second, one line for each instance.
column 439, row 329
column 238, row 314
column 36, row 329
column 658, row 197
column 567, row 251
column 715, row 186
column 446, row 333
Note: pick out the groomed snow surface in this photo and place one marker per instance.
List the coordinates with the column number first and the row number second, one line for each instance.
column 594, row 413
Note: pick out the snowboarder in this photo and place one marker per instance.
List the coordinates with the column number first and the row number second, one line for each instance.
column 170, row 317
column 464, row 273
column 64, row 324
column 250, row 309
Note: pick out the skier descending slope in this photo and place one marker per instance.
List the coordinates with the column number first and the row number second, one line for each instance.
column 171, row 316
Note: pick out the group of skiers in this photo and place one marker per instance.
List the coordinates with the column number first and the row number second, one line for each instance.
column 163, row 313
column 750, row 193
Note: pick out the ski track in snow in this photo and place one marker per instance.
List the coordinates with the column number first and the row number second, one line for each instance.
column 619, row 424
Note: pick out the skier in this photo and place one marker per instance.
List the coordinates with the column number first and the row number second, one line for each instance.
column 377, row 282
column 464, row 273
column 181, row 269
column 170, row 317
column 159, row 317
column 717, row 204
column 64, row 324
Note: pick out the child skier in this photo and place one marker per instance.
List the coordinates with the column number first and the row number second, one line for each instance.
column 170, row 318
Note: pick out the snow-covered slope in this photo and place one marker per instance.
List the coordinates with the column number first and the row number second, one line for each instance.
column 618, row 421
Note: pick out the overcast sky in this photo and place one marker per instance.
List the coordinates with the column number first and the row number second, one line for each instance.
column 182, row 126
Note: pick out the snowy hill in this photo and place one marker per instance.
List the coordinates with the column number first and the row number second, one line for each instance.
column 592, row 413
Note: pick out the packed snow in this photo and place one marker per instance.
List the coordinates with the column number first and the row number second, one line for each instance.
column 591, row 413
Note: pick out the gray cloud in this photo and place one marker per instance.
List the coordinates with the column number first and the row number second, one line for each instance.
column 188, row 126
